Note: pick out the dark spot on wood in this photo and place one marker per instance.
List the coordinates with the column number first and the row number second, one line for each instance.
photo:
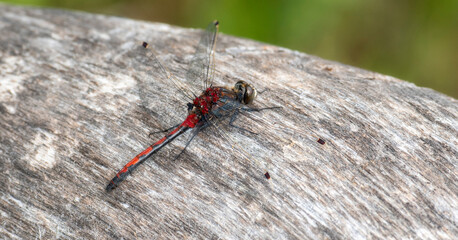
column 145, row 44
column 2, row 109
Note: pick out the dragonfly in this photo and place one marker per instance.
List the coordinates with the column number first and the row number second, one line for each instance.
column 206, row 109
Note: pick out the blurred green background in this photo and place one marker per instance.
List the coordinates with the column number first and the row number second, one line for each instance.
column 415, row 40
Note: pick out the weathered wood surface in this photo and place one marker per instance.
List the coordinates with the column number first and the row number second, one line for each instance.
column 71, row 116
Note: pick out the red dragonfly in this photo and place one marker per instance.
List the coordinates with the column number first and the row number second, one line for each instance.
column 212, row 105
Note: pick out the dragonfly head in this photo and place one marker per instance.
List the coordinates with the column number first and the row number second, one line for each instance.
column 246, row 92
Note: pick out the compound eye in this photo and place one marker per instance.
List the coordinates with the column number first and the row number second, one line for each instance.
column 250, row 94
column 246, row 92
column 239, row 86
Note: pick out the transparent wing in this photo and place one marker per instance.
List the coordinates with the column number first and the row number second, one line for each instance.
column 162, row 100
column 155, row 81
column 216, row 126
column 145, row 56
column 201, row 69
column 219, row 121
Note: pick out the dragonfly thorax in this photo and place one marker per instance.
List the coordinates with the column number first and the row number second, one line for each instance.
column 204, row 103
column 242, row 92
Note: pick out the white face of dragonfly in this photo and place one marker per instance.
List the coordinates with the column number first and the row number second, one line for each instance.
column 246, row 91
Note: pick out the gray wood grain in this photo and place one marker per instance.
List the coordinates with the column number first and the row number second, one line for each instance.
column 71, row 116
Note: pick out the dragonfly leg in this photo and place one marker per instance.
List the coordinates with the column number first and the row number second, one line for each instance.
column 194, row 134
column 258, row 109
column 263, row 91
column 163, row 131
column 233, row 118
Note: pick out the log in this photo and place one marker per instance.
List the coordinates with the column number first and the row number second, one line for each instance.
column 73, row 112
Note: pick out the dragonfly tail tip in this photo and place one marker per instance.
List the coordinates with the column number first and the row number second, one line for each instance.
column 110, row 186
